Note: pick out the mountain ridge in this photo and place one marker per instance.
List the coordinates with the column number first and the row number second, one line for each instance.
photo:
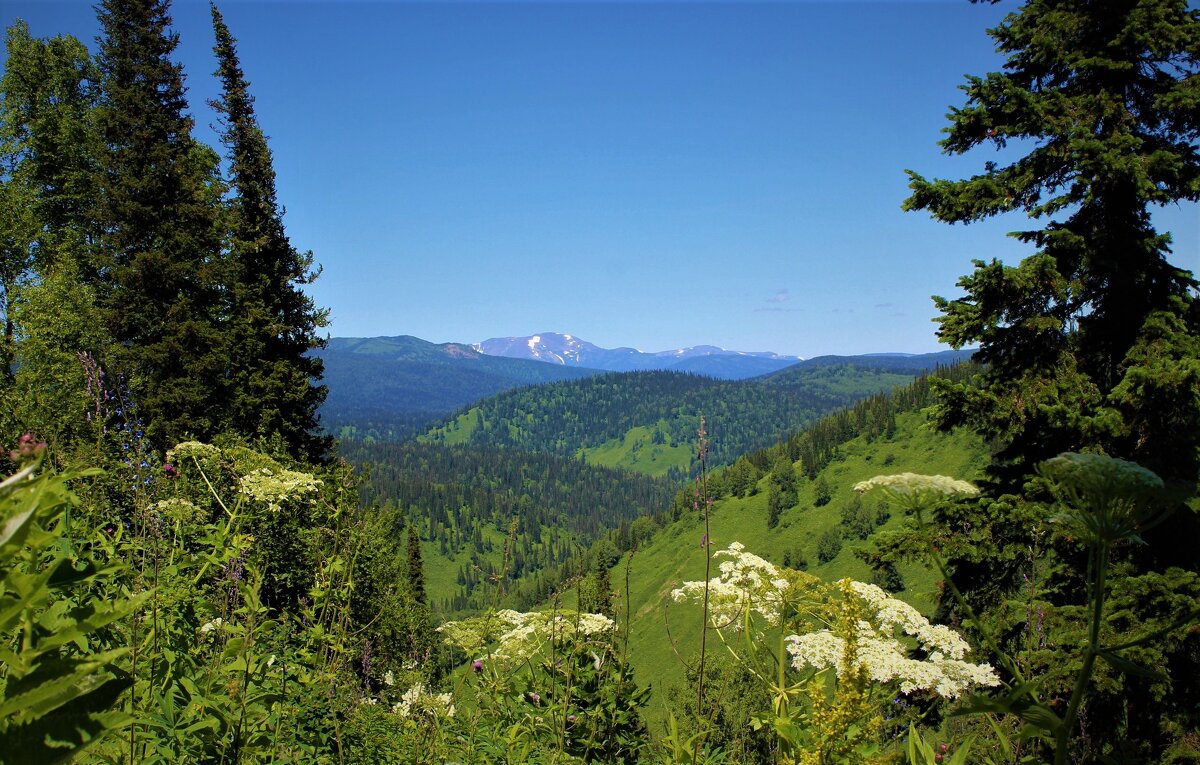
column 568, row 350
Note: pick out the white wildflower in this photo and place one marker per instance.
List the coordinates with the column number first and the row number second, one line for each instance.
column 176, row 509
column 389, row 679
column 418, row 700
column 746, row 582
column 274, row 487
column 194, row 449
column 885, row 659
column 212, row 625
column 912, row 488
column 518, row 635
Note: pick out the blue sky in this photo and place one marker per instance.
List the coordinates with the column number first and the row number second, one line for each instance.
column 646, row 174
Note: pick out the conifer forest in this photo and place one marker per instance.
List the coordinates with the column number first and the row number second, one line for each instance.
column 994, row 561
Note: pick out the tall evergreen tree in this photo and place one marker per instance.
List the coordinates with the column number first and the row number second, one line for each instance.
column 1090, row 344
column 416, row 567
column 1105, row 97
column 160, row 271
column 275, row 379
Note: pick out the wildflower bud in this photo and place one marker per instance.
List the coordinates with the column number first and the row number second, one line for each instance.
column 943, row 748
column 477, row 666
column 570, row 718
column 170, row 471
column 28, row 449
column 938, row 757
column 535, row 698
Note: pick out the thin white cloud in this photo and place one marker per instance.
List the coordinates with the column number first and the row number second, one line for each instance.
column 779, row 297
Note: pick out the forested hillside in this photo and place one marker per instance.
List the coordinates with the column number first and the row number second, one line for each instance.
column 391, row 387
column 646, row 420
column 481, row 510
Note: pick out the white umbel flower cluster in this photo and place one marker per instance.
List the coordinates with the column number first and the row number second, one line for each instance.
column 918, row 485
column 418, row 701
column 884, row 657
column 517, row 635
column 274, row 487
column 746, row 582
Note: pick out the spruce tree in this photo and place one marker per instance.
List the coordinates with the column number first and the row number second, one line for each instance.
column 159, row 275
column 274, row 324
column 416, row 566
column 1104, row 97
column 1090, row 343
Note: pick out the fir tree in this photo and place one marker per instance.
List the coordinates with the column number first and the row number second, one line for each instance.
column 416, row 566
column 1090, row 344
column 274, row 323
column 604, row 591
column 1105, row 97
column 159, row 273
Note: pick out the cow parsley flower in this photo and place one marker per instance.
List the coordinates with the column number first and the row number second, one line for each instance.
column 881, row 655
column 515, row 635
column 914, row 490
column 274, row 487
column 196, row 450
column 746, row 583
column 1106, row 498
column 418, row 701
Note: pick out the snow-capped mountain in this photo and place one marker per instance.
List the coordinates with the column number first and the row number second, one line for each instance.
column 567, row 350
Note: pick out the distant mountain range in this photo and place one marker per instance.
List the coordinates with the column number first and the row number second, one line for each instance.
column 567, row 350
column 393, row 387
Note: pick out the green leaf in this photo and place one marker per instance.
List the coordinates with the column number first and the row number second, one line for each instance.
column 76, row 725
column 1125, row 666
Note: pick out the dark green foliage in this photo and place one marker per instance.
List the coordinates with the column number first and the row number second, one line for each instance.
column 48, row 192
column 735, row 695
column 460, row 497
column 829, row 544
column 596, row 591
column 416, row 568
column 774, row 505
column 1089, row 344
column 58, row 698
column 563, row 417
column 1108, row 95
column 783, row 475
column 822, row 493
column 273, row 325
column 160, row 254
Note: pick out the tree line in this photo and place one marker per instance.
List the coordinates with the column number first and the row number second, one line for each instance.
column 563, row 417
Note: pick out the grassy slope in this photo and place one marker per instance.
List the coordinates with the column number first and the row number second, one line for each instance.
column 675, row 555
column 636, row 450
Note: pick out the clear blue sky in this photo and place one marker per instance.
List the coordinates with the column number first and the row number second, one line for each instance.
column 645, row 174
